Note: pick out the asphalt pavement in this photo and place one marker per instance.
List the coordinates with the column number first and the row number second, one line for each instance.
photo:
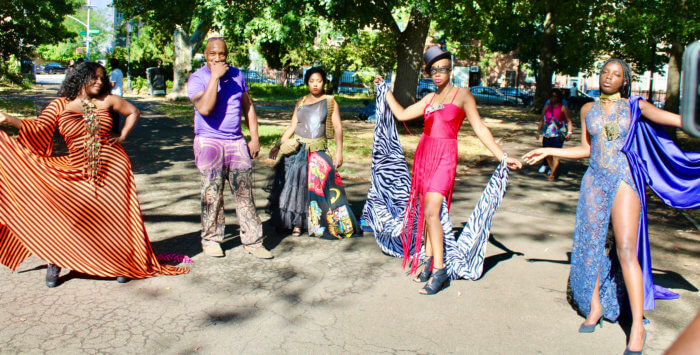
column 343, row 296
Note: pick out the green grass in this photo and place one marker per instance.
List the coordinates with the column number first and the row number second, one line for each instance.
column 19, row 108
column 277, row 95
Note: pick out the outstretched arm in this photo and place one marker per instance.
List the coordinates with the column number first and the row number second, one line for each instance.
column 659, row 116
column 483, row 132
column 405, row 114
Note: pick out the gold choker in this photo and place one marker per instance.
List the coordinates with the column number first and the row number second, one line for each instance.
column 610, row 98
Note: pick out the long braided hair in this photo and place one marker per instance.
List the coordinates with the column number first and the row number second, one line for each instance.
column 626, row 89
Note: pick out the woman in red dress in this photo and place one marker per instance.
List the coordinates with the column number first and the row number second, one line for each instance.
column 435, row 164
column 78, row 211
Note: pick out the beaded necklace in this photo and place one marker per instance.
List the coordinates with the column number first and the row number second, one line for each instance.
column 92, row 141
column 610, row 131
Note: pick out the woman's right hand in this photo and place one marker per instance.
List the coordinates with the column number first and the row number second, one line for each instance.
column 538, row 136
column 533, row 156
column 11, row 120
column 273, row 152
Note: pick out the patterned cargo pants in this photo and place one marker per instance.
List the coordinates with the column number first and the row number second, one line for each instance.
column 218, row 160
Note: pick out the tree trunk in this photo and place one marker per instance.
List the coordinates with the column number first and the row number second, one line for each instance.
column 409, row 48
column 182, row 63
column 673, row 84
column 184, row 49
column 545, row 70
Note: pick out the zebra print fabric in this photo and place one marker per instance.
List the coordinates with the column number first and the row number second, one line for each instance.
column 388, row 194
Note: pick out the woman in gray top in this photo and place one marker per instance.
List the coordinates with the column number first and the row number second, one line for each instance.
column 306, row 191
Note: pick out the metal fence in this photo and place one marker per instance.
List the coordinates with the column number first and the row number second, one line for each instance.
column 657, row 98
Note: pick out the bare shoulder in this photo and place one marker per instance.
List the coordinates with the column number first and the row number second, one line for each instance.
column 464, row 97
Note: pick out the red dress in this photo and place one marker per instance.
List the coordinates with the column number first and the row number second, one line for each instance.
column 49, row 208
column 434, row 168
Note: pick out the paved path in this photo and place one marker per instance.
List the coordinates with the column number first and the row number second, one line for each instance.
column 338, row 296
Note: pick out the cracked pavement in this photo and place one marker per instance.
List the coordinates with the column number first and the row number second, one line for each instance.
column 345, row 296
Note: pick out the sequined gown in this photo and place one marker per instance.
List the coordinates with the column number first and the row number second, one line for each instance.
column 608, row 168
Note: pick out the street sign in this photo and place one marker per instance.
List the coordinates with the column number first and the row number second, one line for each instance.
column 92, row 32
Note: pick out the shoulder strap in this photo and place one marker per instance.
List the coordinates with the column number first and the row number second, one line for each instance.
column 432, row 98
column 329, row 117
column 453, row 97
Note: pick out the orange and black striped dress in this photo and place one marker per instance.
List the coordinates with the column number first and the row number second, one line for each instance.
column 49, row 207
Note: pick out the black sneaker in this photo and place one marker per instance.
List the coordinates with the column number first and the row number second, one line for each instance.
column 52, row 272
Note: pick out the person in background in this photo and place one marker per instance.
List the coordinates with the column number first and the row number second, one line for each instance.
column 116, row 78
column 555, row 127
column 573, row 92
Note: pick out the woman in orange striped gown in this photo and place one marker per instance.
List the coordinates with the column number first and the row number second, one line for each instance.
column 78, row 211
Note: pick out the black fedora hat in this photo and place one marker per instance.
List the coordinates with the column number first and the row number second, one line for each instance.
column 434, row 54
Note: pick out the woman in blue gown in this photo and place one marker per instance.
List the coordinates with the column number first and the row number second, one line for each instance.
column 607, row 195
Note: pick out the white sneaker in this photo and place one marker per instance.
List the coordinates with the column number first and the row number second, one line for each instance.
column 542, row 169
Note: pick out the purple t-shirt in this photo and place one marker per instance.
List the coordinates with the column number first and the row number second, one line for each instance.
column 224, row 122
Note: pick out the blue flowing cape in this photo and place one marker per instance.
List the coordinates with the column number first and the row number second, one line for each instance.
column 672, row 174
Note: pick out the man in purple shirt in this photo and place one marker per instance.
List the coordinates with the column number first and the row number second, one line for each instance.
column 220, row 96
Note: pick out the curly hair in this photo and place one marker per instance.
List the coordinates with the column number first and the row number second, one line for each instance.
column 626, row 88
column 77, row 79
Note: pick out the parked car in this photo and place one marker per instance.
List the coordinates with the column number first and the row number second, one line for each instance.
column 593, row 93
column 487, row 95
column 255, row 77
column 525, row 96
column 53, row 68
column 425, row 87
column 352, row 88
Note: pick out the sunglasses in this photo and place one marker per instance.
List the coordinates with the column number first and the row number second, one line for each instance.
column 441, row 70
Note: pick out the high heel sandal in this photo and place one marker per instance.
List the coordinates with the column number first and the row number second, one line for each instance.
column 424, row 276
column 584, row 328
column 440, row 280
column 630, row 352
column 52, row 272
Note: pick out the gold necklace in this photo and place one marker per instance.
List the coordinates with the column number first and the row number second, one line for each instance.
column 611, row 131
column 610, row 98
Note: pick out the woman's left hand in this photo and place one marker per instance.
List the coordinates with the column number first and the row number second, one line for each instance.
column 568, row 136
column 513, row 164
column 338, row 160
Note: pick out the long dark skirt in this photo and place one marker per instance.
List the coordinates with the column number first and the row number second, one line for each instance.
column 306, row 191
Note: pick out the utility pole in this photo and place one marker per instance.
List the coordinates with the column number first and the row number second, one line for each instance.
column 87, row 29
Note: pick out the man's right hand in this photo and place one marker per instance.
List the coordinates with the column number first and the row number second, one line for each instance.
column 218, row 69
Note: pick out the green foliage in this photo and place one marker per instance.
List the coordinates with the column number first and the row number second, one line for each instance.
column 273, row 92
column 519, row 26
column 74, row 45
column 26, row 24
column 649, row 26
